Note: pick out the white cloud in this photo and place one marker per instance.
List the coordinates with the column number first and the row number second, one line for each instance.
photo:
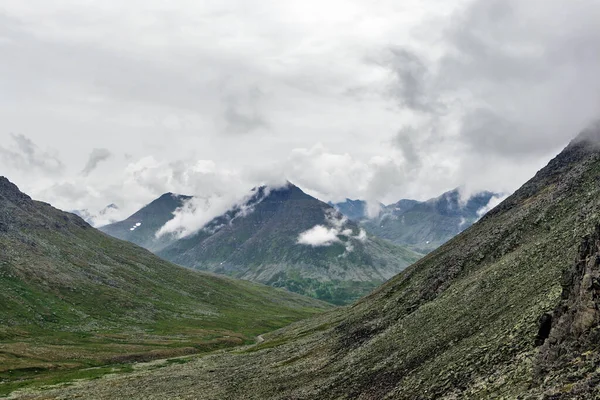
column 319, row 235
column 494, row 201
column 332, row 232
column 197, row 212
column 362, row 235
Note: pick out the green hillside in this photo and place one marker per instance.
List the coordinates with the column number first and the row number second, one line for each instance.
column 72, row 297
column 506, row 310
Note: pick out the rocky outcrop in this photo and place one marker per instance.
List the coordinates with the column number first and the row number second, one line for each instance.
column 571, row 350
column 11, row 192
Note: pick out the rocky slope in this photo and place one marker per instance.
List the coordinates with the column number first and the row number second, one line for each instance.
column 285, row 238
column 73, row 297
column 141, row 227
column 507, row 309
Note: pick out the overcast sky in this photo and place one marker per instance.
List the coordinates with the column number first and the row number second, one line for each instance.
column 120, row 101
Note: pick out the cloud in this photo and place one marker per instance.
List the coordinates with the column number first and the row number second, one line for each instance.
column 96, row 157
column 347, row 99
column 242, row 113
column 194, row 215
column 26, row 155
column 494, row 201
column 517, row 82
column 197, row 212
column 332, row 232
column 409, row 85
column 319, row 235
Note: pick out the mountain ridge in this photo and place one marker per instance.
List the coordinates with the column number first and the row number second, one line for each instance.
column 423, row 225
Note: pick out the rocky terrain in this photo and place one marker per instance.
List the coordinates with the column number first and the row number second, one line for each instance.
column 507, row 309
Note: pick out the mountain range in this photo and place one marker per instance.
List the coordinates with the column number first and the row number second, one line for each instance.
column 507, row 309
column 285, row 238
column 420, row 225
column 72, row 297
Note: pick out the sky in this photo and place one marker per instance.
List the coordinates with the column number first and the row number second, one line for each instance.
column 121, row 101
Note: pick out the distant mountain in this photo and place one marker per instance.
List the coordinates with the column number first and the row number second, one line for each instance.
column 73, row 297
column 285, row 238
column 422, row 226
column 141, row 227
column 107, row 215
column 356, row 210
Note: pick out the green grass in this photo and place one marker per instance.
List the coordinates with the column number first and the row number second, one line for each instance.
column 39, row 378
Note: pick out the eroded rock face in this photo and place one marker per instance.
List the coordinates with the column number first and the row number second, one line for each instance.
column 571, row 348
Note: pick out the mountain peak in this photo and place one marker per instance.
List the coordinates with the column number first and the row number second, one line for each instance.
column 590, row 135
column 168, row 195
column 11, row 192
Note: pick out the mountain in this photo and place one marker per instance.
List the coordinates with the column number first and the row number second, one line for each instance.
column 421, row 226
column 72, row 297
column 356, row 210
column 141, row 227
column 107, row 215
column 285, row 238
column 506, row 309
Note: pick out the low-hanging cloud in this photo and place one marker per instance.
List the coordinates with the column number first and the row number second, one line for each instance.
column 198, row 212
column 319, row 235
column 494, row 201
column 332, row 232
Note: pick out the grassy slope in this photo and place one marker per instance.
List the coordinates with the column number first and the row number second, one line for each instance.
column 73, row 297
column 460, row 323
